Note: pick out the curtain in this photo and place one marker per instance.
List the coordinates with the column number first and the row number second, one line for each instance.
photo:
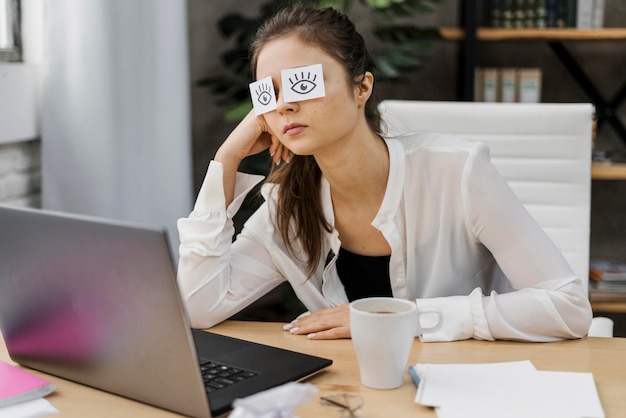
column 116, row 136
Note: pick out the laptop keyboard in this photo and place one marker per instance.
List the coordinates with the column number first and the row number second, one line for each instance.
column 217, row 376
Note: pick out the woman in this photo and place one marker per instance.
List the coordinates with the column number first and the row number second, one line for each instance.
column 350, row 214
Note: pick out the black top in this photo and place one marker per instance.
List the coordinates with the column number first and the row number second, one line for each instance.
column 363, row 276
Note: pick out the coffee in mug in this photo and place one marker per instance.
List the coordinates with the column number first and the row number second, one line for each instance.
column 383, row 330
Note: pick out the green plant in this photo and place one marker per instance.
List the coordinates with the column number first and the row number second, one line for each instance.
column 402, row 48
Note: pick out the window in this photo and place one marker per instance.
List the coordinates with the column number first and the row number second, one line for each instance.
column 10, row 36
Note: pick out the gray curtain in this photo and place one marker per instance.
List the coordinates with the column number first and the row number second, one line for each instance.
column 116, row 138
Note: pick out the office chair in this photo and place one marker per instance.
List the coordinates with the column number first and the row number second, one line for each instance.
column 542, row 150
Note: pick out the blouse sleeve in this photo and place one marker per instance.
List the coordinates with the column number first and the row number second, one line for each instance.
column 217, row 279
column 548, row 302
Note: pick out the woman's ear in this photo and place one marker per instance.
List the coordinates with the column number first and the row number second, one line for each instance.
column 363, row 90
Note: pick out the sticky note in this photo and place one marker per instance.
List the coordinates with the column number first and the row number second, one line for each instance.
column 263, row 95
column 302, row 83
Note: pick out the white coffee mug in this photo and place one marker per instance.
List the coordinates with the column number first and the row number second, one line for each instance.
column 383, row 330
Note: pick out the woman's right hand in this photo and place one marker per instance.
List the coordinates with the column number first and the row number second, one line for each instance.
column 250, row 137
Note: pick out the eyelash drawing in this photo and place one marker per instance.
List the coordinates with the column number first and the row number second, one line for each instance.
column 304, row 85
column 264, row 95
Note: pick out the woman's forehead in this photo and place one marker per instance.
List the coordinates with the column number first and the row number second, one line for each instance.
column 290, row 52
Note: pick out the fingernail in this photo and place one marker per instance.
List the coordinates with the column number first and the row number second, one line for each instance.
column 278, row 163
column 311, row 336
column 294, row 330
column 287, row 327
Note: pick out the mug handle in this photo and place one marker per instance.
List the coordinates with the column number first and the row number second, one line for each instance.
column 435, row 327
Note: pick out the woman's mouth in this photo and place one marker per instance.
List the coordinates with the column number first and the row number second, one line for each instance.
column 293, row 129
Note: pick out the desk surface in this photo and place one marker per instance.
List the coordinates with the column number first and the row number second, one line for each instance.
column 604, row 357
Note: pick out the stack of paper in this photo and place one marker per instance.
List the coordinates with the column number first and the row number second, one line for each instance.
column 21, row 393
column 513, row 389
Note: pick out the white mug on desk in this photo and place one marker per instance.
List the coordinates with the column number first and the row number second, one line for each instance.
column 383, row 330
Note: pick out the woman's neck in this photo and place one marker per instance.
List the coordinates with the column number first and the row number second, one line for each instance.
column 358, row 170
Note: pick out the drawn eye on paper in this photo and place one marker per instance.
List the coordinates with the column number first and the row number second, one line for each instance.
column 263, row 95
column 303, row 83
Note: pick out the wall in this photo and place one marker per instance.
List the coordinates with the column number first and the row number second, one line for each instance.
column 20, row 160
column 20, row 98
column 20, row 173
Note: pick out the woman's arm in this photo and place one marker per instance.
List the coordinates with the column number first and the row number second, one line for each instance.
column 549, row 302
column 215, row 280
column 250, row 137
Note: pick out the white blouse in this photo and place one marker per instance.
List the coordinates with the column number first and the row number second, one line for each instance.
column 460, row 241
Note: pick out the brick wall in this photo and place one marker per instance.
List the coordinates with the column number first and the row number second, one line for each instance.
column 20, row 173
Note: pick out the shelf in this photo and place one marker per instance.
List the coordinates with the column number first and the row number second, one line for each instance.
column 548, row 34
column 604, row 301
column 606, row 109
column 608, row 171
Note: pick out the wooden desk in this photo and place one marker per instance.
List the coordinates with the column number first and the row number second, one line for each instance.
column 604, row 357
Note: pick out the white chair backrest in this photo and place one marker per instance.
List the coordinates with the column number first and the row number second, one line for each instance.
column 542, row 150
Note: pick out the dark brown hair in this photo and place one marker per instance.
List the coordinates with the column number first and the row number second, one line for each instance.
column 299, row 201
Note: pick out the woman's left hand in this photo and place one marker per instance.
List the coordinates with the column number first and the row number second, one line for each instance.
column 325, row 324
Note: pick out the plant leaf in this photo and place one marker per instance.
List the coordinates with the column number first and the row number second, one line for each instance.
column 238, row 112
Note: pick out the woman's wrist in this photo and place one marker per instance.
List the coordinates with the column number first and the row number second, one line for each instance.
column 227, row 158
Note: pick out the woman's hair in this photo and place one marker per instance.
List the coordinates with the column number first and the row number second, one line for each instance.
column 299, row 192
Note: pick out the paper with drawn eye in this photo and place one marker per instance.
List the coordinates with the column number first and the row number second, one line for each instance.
column 263, row 95
column 303, row 83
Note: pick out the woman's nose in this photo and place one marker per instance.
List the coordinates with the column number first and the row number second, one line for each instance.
column 282, row 106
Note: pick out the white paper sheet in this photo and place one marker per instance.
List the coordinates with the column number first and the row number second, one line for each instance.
column 263, row 95
column 303, row 83
column 29, row 409
column 513, row 389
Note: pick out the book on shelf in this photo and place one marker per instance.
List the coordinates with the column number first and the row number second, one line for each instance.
column 607, row 270
column 490, row 84
column 607, row 275
column 598, row 13
column 507, row 85
column 529, row 81
column 529, row 14
column 608, row 156
column 18, row 385
column 581, row 14
column 552, row 11
column 507, row 13
column 478, row 85
column 590, row 14
column 541, row 14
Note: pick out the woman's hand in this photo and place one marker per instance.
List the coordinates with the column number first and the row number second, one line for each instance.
column 250, row 137
column 325, row 324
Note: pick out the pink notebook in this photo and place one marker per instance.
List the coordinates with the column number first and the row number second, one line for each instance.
column 18, row 385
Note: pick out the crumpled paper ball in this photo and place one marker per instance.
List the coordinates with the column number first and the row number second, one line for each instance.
column 278, row 402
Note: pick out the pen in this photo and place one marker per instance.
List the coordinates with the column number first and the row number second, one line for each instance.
column 414, row 377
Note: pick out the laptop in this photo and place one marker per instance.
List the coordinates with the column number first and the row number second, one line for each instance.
column 96, row 301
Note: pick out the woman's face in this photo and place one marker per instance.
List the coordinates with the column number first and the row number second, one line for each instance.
column 315, row 126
